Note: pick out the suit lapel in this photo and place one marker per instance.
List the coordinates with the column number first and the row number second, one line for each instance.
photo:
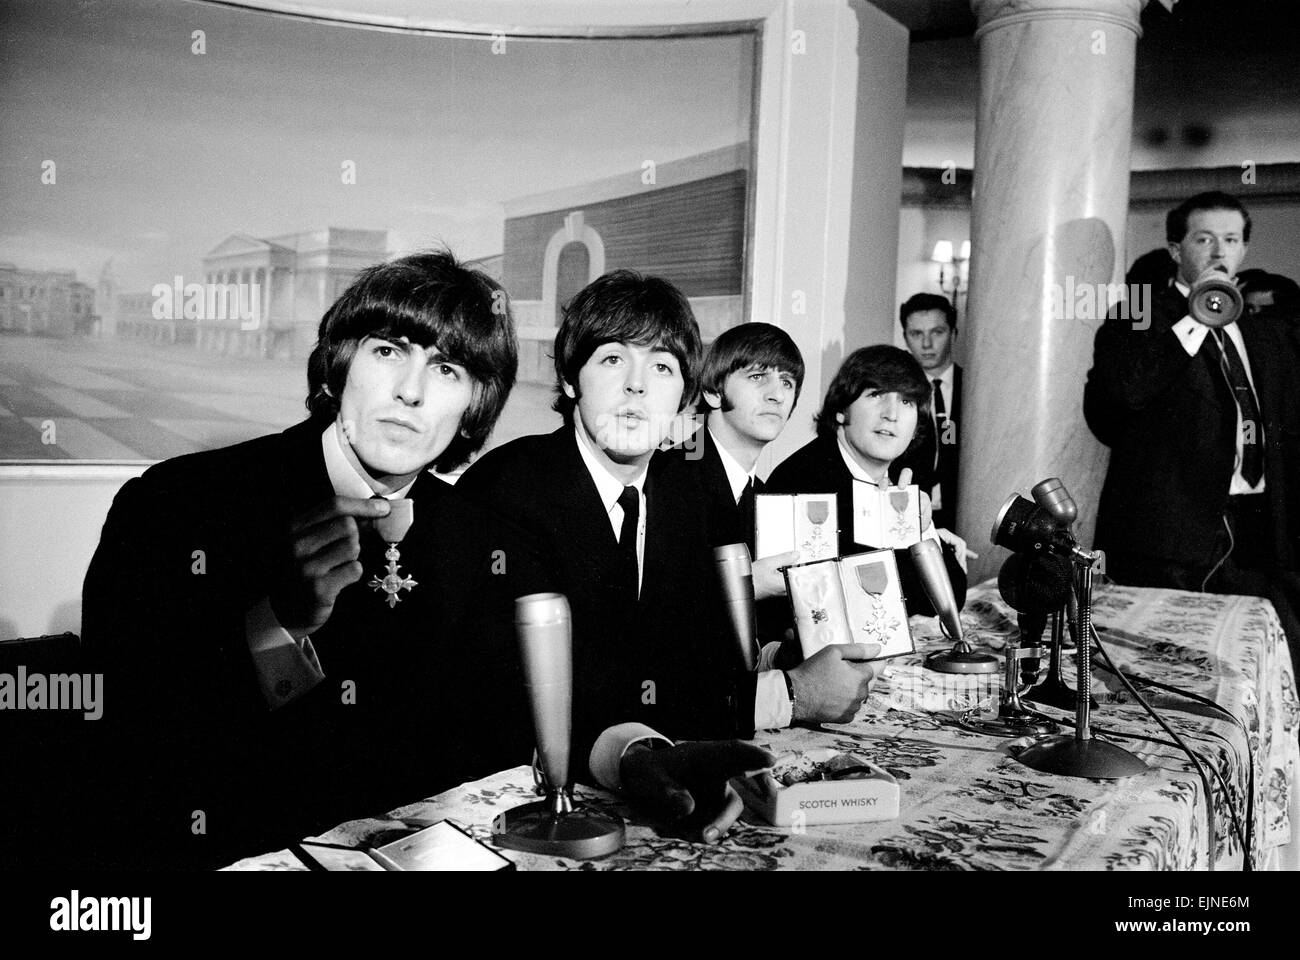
column 716, row 483
column 664, row 514
column 1258, row 348
column 579, row 518
column 955, row 413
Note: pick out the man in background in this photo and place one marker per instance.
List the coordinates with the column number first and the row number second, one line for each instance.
column 930, row 330
column 1203, row 487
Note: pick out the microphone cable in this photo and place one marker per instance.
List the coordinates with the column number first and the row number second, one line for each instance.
column 1236, row 820
column 1228, row 715
column 1182, row 744
column 1232, row 543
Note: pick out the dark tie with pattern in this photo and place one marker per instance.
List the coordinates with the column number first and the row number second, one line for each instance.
column 745, row 505
column 940, row 418
column 1252, row 447
column 630, row 501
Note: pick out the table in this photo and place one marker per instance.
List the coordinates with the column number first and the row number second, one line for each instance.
column 967, row 804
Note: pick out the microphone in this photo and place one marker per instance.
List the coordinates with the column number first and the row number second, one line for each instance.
column 542, row 622
column 927, row 556
column 1031, row 627
column 1052, row 496
column 1214, row 299
column 555, row 826
column 736, row 574
column 1035, row 582
column 1033, row 585
column 1024, row 526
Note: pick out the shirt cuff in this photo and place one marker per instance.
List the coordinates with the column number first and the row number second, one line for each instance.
column 285, row 669
column 607, row 752
column 1190, row 334
column 772, row 707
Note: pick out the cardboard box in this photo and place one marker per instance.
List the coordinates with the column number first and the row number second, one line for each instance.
column 870, row 794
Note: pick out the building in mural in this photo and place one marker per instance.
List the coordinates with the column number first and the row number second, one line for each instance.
column 261, row 297
column 48, row 303
column 683, row 220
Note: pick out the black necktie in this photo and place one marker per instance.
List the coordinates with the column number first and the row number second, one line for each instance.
column 940, row 418
column 745, row 506
column 1252, row 447
column 630, row 501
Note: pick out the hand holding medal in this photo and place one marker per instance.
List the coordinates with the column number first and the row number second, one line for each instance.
column 392, row 529
column 323, row 558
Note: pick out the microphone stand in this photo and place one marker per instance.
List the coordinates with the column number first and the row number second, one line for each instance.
column 1054, row 691
column 555, row 826
column 1014, row 719
column 1078, row 754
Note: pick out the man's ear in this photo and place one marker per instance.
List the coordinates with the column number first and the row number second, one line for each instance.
column 839, row 418
column 714, row 400
column 1175, row 251
column 569, row 392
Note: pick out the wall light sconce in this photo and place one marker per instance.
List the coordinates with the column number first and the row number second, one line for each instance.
column 954, row 268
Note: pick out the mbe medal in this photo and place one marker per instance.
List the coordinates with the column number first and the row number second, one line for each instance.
column 392, row 529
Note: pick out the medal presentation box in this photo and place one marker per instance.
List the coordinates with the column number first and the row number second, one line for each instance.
column 804, row 522
column 819, row 786
column 886, row 517
column 854, row 599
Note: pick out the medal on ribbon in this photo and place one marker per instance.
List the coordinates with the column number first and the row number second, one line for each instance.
column 392, row 529
column 817, row 512
column 873, row 578
column 900, row 499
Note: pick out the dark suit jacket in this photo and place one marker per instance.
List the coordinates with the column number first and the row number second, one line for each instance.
column 726, row 525
column 818, row 467
column 921, row 457
column 663, row 660
column 416, row 698
column 1170, row 421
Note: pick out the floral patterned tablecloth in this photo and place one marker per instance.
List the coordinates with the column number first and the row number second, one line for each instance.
column 967, row 804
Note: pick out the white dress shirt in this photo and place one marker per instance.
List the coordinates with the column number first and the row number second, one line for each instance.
column 286, row 667
column 610, row 488
column 1191, row 335
column 772, row 707
column 737, row 476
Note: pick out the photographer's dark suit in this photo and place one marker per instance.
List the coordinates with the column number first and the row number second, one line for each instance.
column 1170, row 420
column 1171, row 423
column 416, row 698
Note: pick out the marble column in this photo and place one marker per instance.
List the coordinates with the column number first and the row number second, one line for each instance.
column 1048, row 221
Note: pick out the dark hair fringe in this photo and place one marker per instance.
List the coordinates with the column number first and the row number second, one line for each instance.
column 625, row 307
column 1176, row 219
column 919, row 302
column 878, row 367
column 434, row 301
column 748, row 345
